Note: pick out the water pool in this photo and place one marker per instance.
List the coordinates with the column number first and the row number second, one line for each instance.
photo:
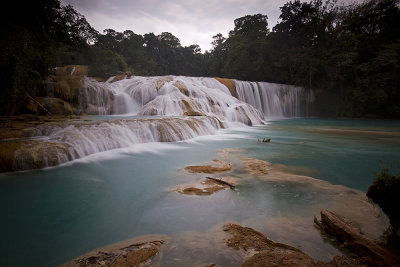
column 53, row 215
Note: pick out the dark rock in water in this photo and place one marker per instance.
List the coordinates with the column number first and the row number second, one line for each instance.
column 270, row 253
column 337, row 226
column 217, row 166
column 385, row 192
column 279, row 258
column 138, row 254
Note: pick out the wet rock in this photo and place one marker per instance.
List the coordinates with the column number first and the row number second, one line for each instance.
column 210, row 188
column 257, row 166
column 21, row 155
column 341, row 228
column 37, row 155
column 269, row 252
column 207, row 187
column 163, row 80
column 217, row 166
column 55, row 106
column 190, row 110
column 182, row 88
column 279, row 258
column 137, row 254
column 228, row 83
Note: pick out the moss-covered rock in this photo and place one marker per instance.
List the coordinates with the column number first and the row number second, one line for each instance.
column 55, row 106
column 38, row 155
column 7, row 152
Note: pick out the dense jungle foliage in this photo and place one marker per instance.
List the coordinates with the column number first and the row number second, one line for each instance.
column 349, row 54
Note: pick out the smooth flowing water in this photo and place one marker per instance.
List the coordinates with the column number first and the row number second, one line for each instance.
column 51, row 216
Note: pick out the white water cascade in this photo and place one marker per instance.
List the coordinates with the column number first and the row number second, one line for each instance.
column 169, row 96
column 185, row 107
column 65, row 142
column 276, row 100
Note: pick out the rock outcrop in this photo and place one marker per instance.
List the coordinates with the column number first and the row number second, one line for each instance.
column 228, row 83
column 267, row 252
column 354, row 240
column 138, row 254
column 208, row 186
column 216, row 166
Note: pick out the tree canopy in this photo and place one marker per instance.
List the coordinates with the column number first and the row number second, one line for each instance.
column 348, row 54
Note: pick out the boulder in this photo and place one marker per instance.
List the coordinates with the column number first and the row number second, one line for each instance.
column 137, row 254
column 269, row 252
column 55, row 106
column 217, row 166
column 228, row 83
column 354, row 240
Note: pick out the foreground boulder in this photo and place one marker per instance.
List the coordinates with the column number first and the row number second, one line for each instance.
column 138, row 254
column 268, row 253
column 374, row 254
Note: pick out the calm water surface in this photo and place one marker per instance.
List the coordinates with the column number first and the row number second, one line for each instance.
column 51, row 216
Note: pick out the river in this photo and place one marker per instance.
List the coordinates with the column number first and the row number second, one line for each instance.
column 53, row 215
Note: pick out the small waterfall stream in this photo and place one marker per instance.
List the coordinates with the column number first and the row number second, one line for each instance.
column 276, row 100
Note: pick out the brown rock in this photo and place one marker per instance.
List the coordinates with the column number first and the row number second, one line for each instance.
column 119, row 77
column 257, row 166
column 228, row 83
column 37, row 155
column 163, row 80
column 270, row 253
column 218, row 166
column 54, row 105
column 279, row 258
column 190, row 110
column 182, row 88
column 206, row 188
column 132, row 255
column 354, row 240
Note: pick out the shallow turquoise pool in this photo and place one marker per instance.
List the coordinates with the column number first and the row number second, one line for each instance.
column 51, row 216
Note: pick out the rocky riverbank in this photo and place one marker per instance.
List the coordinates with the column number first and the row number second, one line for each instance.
column 255, row 248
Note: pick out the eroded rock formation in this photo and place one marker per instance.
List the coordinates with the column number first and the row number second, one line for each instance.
column 341, row 228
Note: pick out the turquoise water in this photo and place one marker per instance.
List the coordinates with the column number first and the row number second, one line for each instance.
column 52, row 216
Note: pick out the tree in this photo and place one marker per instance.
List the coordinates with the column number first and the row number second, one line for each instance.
column 251, row 26
column 31, row 33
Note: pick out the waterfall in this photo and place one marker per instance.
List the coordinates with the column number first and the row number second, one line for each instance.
column 64, row 142
column 276, row 100
column 168, row 96
column 95, row 98
column 186, row 107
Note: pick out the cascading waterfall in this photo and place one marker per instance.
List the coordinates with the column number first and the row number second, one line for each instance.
column 170, row 96
column 95, row 98
column 276, row 100
column 64, row 142
column 188, row 106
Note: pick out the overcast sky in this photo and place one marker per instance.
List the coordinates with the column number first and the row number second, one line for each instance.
column 192, row 21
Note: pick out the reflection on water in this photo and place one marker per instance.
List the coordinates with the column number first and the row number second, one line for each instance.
column 51, row 216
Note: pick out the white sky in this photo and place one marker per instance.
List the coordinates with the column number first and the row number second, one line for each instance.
column 192, row 21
